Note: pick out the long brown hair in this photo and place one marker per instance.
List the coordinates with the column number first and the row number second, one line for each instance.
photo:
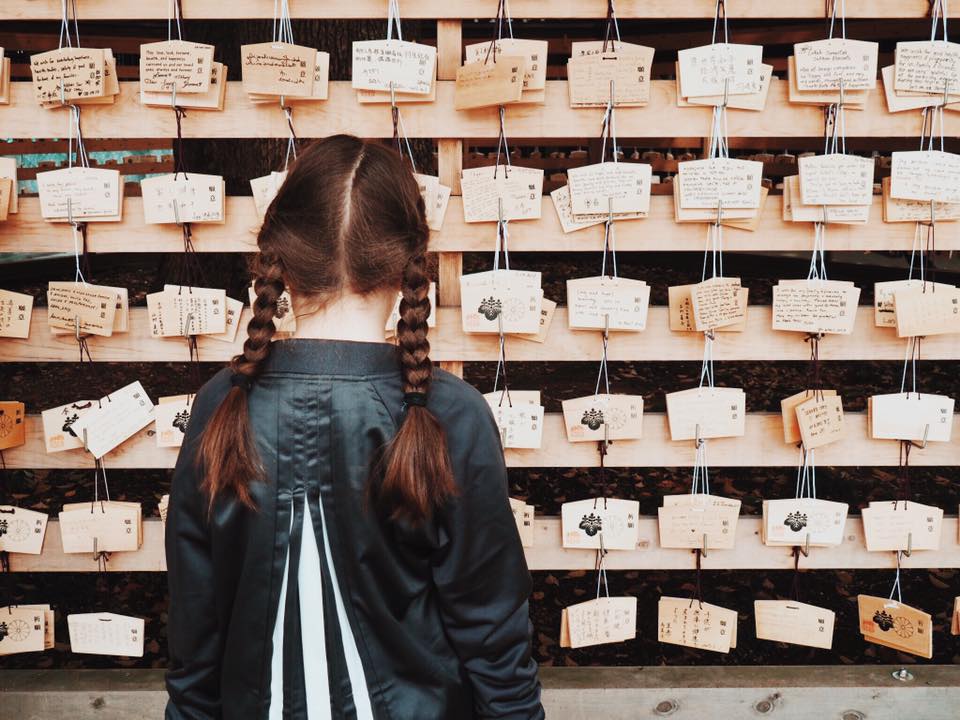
column 349, row 217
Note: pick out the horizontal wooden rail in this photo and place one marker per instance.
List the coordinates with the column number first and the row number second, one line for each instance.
column 761, row 446
column 548, row 554
column 28, row 232
column 555, row 118
column 468, row 9
column 448, row 342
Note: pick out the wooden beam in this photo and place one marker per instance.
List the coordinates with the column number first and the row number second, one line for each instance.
column 761, row 446
column 449, row 48
column 547, row 552
column 28, row 232
column 449, row 342
column 467, row 9
column 555, row 118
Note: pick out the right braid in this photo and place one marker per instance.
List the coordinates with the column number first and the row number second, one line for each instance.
column 261, row 328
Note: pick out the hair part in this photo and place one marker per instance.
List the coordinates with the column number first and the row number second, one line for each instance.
column 348, row 217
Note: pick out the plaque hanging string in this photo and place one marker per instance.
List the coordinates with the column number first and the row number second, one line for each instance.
column 611, row 34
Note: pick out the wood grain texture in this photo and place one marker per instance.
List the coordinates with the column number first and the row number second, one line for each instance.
column 553, row 119
column 27, row 231
column 429, row 9
column 448, row 342
column 761, row 446
column 547, row 552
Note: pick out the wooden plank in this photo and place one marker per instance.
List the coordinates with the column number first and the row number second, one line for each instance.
column 761, row 446
column 449, row 48
column 430, row 9
column 548, row 554
column 555, row 118
column 450, row 165
column 27, row 231
column 448, row 342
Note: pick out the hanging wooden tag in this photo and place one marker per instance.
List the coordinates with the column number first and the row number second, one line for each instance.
column 12, row 426
column 603, row 417
column 172, row 415
column 182, row 311
column 519, row 419
column 682, row 621
column 695, row 519
column 927, row 310
column 927, row 175
column 264, row 189
column 721, row 68
column 23, row 530
column 896, row 210
column 794, row 622
column 561, row 203
column 716, row 303
column 852, row 99
column 534, row 54
column 116, row 418
column 21, row 630
column 590, row 74
column 901, row 525
column 275, row 68
column 547, row 310
column 89, row 308
column 752, row 101
column 614, row 521
column 178, row 64
column 614, row 303
column 901, row 627
column 927, row 66
column 790, row 521
column 60, row 76
column 599, row 621
column 320, row 88
column 59, row 431
column 501, row 299
column 16, row 310
column 820, row 419
column 815, row 306
column 80, row 193
column 523, row 516
column 519, row 188
column 121, row 318
column 788, row 409
column 182, row 198
column 234, row 309
column 680, row 299
column 911, row 416
column 405, row 66
column 719, row 412
column 796, row 211
column 835, row 63
column 212, row 99
column 480, row 85
column 8, row 171
column 105, row 633
column 715, row 181
column 618, row 187
column 100, row 527
column 836, row 179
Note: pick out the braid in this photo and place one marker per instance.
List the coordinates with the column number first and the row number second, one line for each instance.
column 269, row 286
column 412, row 328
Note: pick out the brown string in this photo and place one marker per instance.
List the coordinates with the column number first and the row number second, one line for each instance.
column 814, row 381
column 796, row 574
column 497, row 31
column 698, row 589
column 180, row 164
column 904, row 471
column 608, row 35
column 84, row 348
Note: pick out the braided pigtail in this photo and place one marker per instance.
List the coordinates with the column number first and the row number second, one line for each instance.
column 417, row 477
column 228, row 452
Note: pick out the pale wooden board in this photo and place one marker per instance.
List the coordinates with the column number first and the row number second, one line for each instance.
column 555, row 118
column 761, row 446
column 547, row 552
column 27, row 231
column 448, row 342
column 468, row 9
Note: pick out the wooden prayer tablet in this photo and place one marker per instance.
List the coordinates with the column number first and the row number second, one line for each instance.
column 403, row 66
column 69, row 73
column 285, row 319
column 547, row 310
column 183, row 197
column 497, row 301
column 750, row 101
column 8, row 171
column 612, row 521
column 887, row 622
column 835, row 63
column 911, row 416
column 900, row 102
column 820, row 420
column 803, row 521
column 719, row 183
column 794, row 622
column 836, row 179
column 901, row 525
column 717, row 412
column 698, row 520
column 115, row 418
column 234, row 309
column 59, row 425
column 930, row 309
column 561, row 203
column 488, row 84
column 600, row 417
column 610, row 187
column 5, row 71
column 927, row 66
column 680, row 299
column 182, row 311
column 599, row 621
column 519, row 417
column 104, row 633
column 16, row 309
column 121, row 317
column 689, row 622
column 895, row 210
column 77, row 307
column 523, row 515
column 80, row 193
column 788, row 409
column 264, row 189
column 794, row 209
column 178, row 64
column 928, row 175
column 815, row 306
column 13, row 431
column 24, row 627
column 614, row 303
column 852, row 99
column 171, row 416
column 212, row 99
column 591, row 70
column 100, row 526
column 276, row 68
column 718, row 302
column 534, row 53
column 436, row 197
column 720, row 69
column 320, row 88
column 517, row 191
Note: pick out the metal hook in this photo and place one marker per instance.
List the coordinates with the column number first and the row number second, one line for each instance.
column 726, row 92
column 76, row 327
column 96, row 545
column 173, row 95
column 805, row 548
column 703, row 550
column 697, row 439
column 187, row 325
column 922, row 445
column 176, row 211
column 85, row 444
column 719, row 212
column 909, row 551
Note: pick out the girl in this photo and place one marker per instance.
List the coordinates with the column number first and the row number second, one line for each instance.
column 339, row 540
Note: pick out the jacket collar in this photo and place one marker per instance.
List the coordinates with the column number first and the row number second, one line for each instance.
column 333, row 357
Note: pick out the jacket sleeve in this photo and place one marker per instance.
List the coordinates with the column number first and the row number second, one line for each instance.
column 483, row 584
column 193, row 632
